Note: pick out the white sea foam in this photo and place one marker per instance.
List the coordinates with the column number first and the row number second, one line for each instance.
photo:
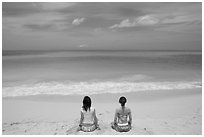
column 88, row 88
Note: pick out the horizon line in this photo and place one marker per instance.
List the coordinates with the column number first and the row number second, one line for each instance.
column 101, row 50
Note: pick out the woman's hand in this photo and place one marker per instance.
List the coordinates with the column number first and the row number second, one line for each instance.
column 79, row 128
column 98, row 128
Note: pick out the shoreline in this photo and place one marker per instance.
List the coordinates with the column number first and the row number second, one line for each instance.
column 112, row 97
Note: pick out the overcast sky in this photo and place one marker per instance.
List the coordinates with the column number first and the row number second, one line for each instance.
column 107, row 26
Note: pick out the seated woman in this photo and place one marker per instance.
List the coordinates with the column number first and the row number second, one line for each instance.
column 123, row 119
column 88, row 121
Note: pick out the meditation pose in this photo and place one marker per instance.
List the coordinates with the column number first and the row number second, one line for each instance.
column 123, row 119
column 88, row 121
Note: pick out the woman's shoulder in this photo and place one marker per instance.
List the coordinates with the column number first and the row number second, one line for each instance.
column 118, row 109
column 92, row 108
column 127, row 109
column 82, row 109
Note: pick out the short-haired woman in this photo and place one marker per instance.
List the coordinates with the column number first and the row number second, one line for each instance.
column 123, row 118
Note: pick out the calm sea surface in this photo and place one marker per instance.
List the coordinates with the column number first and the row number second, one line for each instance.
column 27, row 73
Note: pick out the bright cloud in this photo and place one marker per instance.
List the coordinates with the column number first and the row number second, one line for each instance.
column 142, row 20
column 82, row 45
column 147, row 20
column 78, row 21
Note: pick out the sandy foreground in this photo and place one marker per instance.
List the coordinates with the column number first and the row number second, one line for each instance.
column 154, row 112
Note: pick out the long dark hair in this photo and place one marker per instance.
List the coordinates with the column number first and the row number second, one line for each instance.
column 86, row 103
column 122, row 101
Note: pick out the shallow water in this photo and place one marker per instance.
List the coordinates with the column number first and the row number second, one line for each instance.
column 93, row 72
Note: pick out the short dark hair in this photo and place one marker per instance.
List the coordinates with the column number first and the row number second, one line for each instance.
column 122, row 101
column 86, row 103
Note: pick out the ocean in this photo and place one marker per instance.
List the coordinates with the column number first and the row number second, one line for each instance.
column 26, row 73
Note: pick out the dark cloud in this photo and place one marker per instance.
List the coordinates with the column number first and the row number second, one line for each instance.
column 38, row 27
column 128, row 12
column 104, row 9
column 85, row 8
column 19, row 8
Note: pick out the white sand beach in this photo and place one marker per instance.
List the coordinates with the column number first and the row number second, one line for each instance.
column 155, row 113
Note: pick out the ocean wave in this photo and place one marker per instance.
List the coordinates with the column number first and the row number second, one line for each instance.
column 88, row 88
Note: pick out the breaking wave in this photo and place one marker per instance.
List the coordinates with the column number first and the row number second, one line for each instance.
column 89, row 88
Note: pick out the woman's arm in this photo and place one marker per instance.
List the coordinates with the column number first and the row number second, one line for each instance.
column 80, row 122
column 116, row 116
column 81, row 119
column 95, row 118
column 130, row 118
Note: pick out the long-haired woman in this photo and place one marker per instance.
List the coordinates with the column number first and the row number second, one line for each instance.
column 88, row 121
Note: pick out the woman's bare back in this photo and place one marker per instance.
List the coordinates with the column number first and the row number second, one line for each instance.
column 123, row 113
